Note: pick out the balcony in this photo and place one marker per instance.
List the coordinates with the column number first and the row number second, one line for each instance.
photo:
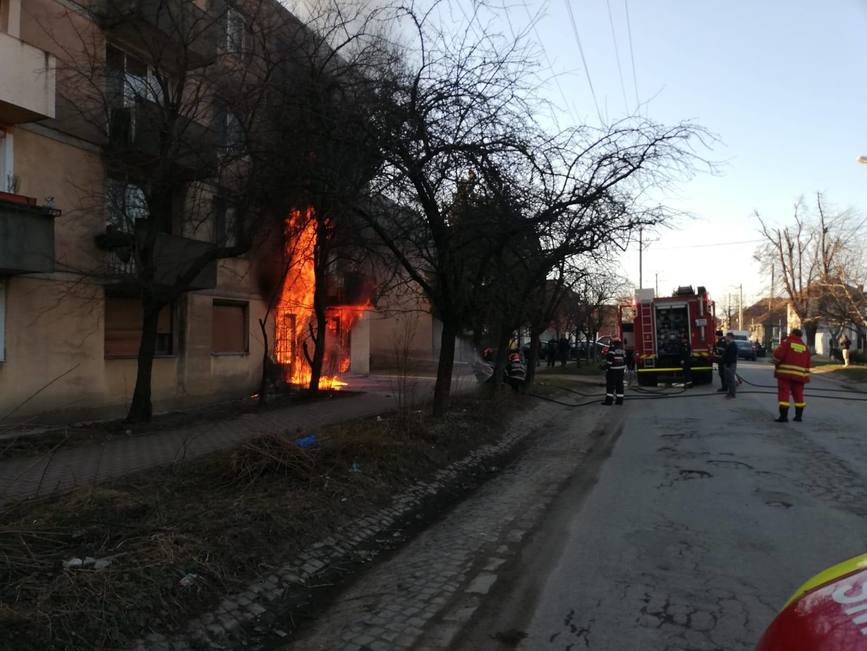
column 173, row 256
column 27, row 77
column 26, row 235
column 172, row 31
column 134, row 141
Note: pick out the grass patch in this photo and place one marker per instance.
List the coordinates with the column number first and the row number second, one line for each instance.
column 172, row 542
column 851, row 373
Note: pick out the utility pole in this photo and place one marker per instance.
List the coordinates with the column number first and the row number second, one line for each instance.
column 640, row 258
column 656, row 284
column 741, row 308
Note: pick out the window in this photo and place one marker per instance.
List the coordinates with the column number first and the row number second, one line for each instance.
column 2, row 320
column 125, row 203
column 123, row 316
column 225, row 223
column 230, row 131
column 127, row 78
column 229, row 331
column 8, row 180
column 236, row 32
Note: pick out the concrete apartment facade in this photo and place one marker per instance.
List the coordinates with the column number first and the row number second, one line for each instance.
column 69, row 332
column 68, row 340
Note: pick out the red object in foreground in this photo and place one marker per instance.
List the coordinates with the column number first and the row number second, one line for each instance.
column 828, row 614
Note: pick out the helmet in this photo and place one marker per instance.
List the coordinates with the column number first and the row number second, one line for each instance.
column 616, row 342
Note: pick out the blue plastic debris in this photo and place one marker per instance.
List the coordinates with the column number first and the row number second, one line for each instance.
column 308, row 441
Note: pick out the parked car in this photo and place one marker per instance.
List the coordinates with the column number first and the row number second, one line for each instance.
column 745, row 350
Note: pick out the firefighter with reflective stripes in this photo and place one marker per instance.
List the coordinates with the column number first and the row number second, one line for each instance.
column 615, row 368
column 792, row 370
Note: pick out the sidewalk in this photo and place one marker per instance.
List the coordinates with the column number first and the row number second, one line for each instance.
column 64, row 470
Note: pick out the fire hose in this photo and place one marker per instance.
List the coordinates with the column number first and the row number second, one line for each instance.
column 656, row 394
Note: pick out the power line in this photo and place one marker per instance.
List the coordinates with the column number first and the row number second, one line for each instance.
column 617, row 56
column 631, row 53
column 583, row 60
column 566, row 101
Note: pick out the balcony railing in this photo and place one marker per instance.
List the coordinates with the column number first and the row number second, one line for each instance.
column 174, row 31
column 135, row 134
column 26, row 235
column 173, row 256
column 27, row 78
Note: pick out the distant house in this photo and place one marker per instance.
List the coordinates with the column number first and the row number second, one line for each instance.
column 767, row 320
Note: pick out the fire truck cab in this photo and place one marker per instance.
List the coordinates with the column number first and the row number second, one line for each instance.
column 671, row 338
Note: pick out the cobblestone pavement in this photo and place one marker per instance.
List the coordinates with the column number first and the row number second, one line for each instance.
column 422, row 596
column 65, row 469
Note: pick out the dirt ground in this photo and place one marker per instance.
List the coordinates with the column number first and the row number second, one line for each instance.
column 101, row 567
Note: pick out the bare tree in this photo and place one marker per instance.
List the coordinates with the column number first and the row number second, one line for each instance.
column 459, row 105
column 820, row 260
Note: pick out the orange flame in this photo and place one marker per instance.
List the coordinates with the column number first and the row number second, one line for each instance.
column 295, row 319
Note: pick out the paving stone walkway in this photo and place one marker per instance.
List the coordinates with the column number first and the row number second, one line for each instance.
column 65, row 469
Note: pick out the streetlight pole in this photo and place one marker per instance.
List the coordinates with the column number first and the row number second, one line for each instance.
column 741, row 308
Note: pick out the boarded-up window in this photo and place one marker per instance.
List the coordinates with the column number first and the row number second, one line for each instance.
column 229, row 327
column 123, row 318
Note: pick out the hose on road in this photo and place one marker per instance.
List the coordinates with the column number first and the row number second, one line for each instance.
column 657, row 394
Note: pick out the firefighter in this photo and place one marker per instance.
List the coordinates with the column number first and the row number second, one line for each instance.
column 516, row 371
column 615, row 367
column 719, row 351
column 792, row 370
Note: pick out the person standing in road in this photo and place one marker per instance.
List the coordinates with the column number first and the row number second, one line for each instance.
column 792, row 370
column 551, row 352
column 844, row 347
column 615, row 367
column 730, row 364
column 719, row 351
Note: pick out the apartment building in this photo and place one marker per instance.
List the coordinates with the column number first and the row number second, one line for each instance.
column 70, row 325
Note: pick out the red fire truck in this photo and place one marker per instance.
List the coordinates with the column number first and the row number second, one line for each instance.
column 671, row 337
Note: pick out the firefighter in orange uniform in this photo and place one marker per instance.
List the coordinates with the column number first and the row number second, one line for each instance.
column 792, row 370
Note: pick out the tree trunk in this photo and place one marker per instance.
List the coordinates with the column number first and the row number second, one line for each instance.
column 443, row 387
column 320, row 279
column 810, row 329
column 500, row 360
column 319, row 343
column 141, row 410
column 266, row 365
column 533, row 359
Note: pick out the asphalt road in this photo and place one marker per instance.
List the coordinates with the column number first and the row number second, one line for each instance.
column 676, row 523
column 704, row 519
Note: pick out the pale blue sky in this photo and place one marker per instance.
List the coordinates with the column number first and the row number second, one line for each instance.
column 781, row 83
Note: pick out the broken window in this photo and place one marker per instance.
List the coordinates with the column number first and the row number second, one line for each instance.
column 229, row 331
column 123, row 321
